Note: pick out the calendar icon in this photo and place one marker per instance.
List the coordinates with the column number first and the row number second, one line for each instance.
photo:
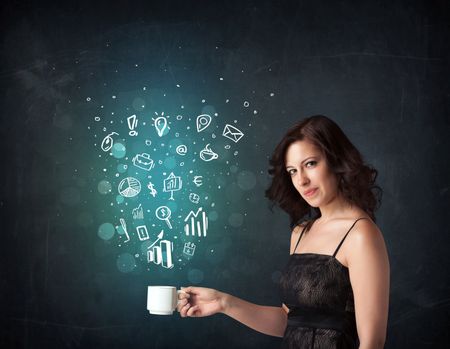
column 189, row 248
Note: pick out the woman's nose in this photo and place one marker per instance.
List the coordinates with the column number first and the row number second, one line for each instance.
column 302, row 178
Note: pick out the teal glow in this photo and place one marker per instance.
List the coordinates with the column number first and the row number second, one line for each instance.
column 120, row 199
column 122, row 168
column 119, row 150
column 172, row 205
column 170, row 163
column 104, row 187
column 138, row 104
column 106, row 231
column 213, row 215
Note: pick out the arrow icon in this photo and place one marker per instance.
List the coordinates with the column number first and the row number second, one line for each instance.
column 159, row 237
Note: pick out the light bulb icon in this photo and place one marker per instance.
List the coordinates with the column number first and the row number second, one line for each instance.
column 160, row 125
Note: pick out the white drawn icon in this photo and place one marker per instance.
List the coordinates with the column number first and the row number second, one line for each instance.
column 138, row 212
column 203, row 122
column 181, row 150
column 162, row 254
column 232, row 133
column 152, row 189
column 189, row 249
column 159, row 237
column 172, row 183
column 194, row 198
column 108, row 142
column 163, row 213
column 142, row 232
column 124, row 228
column 132, row 124
column 160, row 124
column 198, row 181
column 206, row 154
column 143, row 161
column 129, row 187
column 196, row 223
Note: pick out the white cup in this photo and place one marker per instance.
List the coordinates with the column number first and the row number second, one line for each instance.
column 162, row 300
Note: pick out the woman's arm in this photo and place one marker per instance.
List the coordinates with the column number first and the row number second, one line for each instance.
column 268, row 320
column 369, row 275
column 200, row 301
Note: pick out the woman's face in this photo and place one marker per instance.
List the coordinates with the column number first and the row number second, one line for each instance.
column 308, row 169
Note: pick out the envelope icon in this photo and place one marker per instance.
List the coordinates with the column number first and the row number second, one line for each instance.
column 232, row 133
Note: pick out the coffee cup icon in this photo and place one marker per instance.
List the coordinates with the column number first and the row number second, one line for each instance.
column 206, row 154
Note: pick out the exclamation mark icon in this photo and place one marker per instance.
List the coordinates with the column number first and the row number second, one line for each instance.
column 132, row 124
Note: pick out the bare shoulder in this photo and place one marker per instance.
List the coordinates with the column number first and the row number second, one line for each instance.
column 298, row 228
column 296, row 234
column 365, row 231
column 365, row 238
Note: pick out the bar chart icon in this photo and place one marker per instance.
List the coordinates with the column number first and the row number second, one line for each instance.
column 161, row 254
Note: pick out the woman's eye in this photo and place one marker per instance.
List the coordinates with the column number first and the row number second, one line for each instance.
column 291, row 172
column 311, row 162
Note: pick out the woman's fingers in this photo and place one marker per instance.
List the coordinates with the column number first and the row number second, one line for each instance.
column 181, row 304
column 184, row 310
column 187, row 309
column 192, row 310
column 183, row 295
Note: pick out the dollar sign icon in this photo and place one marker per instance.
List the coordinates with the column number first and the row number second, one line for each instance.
column 153, row 191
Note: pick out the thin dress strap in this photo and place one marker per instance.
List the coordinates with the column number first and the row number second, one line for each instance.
column 340, row 244
column 299, row 238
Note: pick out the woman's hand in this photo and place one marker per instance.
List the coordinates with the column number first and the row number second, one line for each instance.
column 200, row 301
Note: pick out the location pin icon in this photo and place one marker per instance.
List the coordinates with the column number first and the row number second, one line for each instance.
column 160, row 125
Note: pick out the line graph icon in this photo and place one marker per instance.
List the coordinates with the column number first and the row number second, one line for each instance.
column 138, row 212
column 196, row 223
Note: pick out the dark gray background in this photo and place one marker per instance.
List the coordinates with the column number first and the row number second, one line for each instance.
column 379, row 69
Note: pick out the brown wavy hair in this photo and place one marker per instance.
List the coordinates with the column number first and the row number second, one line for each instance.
column 356, row 180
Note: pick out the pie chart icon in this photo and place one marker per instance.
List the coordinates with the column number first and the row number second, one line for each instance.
column 129, row 187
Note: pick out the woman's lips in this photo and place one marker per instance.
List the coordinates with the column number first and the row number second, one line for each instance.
column 310, row 193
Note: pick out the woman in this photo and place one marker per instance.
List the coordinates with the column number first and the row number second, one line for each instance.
column 335, row 288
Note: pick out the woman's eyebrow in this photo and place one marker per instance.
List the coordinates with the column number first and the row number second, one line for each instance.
column 309, row 157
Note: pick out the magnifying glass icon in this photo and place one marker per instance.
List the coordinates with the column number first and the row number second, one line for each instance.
column 163, row 213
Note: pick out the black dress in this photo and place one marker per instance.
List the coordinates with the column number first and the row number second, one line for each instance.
column 316, row 288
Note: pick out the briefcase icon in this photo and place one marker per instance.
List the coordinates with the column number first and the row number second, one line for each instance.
column 232, row 133
column 143, row 161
